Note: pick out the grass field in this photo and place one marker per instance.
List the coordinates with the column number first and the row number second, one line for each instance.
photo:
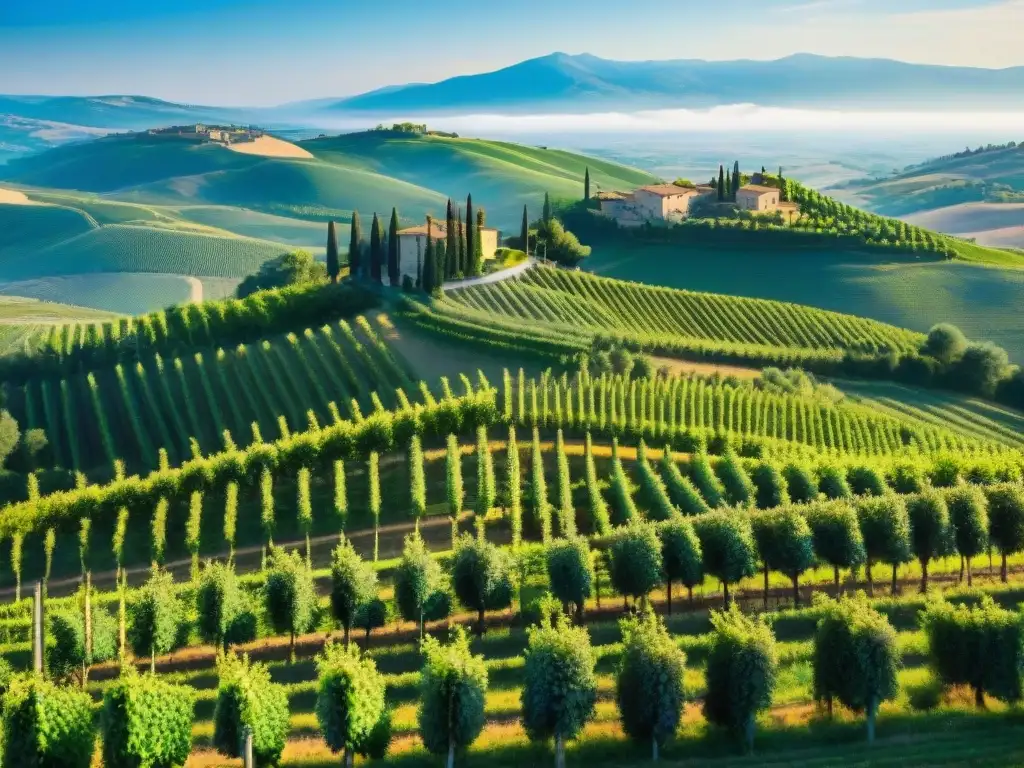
column 129, row 293
column 982, row 301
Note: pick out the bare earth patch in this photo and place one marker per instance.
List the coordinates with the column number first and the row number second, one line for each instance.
column 14, row 197
column 268, row 146
column 680, row 367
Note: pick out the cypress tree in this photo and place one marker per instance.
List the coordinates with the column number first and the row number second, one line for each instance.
column 547, row 207
column 721, row 184
column 467, row 259
column 452, row 244
column 354, row 245
column 476, row 264
column 524, row 233
column 782, row 186
column 393, row 264
column 735, row 179
column 376, row 252
column 460, row 260
column 333, row 265
column 440, row 263
column 427, row 279
column 586, row 184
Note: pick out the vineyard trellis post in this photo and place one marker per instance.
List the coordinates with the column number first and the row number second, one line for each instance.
column 247, row 753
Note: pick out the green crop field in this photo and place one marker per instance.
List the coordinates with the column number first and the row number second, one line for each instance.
column 33, row 227
column 128, row 293
column 980, row 300
column 262, row 226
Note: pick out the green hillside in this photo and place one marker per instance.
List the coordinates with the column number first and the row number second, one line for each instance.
column 501, row 176
column 31, row 227
column 121, row 292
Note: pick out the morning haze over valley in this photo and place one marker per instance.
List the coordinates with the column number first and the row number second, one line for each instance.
column 574, row 384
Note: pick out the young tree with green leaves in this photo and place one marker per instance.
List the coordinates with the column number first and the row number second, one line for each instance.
column 539, row 489
column 155, row 616
column 856, row 658
column 470, row 237
column 524, row 232
column 727, row 547
column 681, row 557
column 373, row 500
column 333, row 262
column 566, row 508
column 248, row 698
column 485, row 488
column 741, row 672
column 513, row 487
column 707, row 482
column 417, row 578
column 681, row 490
column 146, row 721
column 289, row 595
column 350, row 701
column 559, row 692
column 832, row 482
column 353, row 585
column 650, row 682
column 355, row 248
column 635, row 560
column 739, row 490
column 482, row 577
column 47, row 725
column 785, row 544
column 417, row 480
column 930, row 532
column 837, row 537
column 800, row 483
column 219, row 601
column 453, row 693
column 770, row 486
column 968, row 514
column 885, row 529
column 1006, row 521
column 570, row 573
column 599, row 517
column 454, row 493
column 394, row 276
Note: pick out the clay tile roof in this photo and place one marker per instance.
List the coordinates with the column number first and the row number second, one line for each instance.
column 758, row 189
column 611, row 196
column 667, row 190
column 437, row 230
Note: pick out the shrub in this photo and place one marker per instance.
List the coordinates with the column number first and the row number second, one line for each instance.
column 681, row 558
column 837, row 537
column 885, row 529
column 46, row 725
column 741, row 672
column 727, row 547
column 289, row 595
column 370, row 616
column 155, row 617
column 832, row 482
column 945, row 342
column 980, row 369
column 930, row 534
column 980, row 645
column 417, row 578
column 65, row 651
column 482, row 577
column 855, row 657
column 146, row 721
column 559, row 685
column 246, row 697
column 453, row 692
column 353, row 584
column 739, row 490
column 349, row 701
column 570, row 572
column 785, row 544
column 801, row 483
column 1006, row 520
column 907, row 477
column 649, row 684
column 944, row 473
column 770, row 486
column 218, row 603
column 634, row 560
column 968, row 514
column 866, row 480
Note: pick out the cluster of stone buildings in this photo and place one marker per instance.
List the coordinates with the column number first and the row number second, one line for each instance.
column 220, row 134
column 670, row 203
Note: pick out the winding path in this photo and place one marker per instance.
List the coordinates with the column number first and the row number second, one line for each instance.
column 494, row 277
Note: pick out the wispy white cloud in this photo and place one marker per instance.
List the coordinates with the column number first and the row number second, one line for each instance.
column 813, row 6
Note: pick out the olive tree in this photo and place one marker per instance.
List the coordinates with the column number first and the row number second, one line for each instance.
column 559, row 685
column 978, row 645
column 837, row 537
column 146, row 721
column 741, row 672
column 855, row 657
column 681, row 558
column 154, row 618
column 482, row 577
column 289, row 595
column 727, row 547
column 248, row 698
column 930, row 534
column 649, row 684
column 453, row 693
column 885, row 529
column 353, row 584
column 570, row 573
column 349, row 700
column 785, row 544
column 635, row 560
column 1006, row 521
column 968, row 514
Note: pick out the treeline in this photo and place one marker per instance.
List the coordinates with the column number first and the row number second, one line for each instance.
column 225, row 322
column 967, row 152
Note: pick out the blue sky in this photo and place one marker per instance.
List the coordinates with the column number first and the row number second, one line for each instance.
column 256, row 52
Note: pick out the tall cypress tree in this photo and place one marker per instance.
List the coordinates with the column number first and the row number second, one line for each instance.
column 524, row 233
column 546, row 216
column 586, row 184
column 467, row 265
column 782, row 186
column 440, row 262
column 376, row 251
column 451, row 244
column 429, row 264
column 735, row 179
column 393, row 263
column 333, row 265
column 477, row 264
column 354, row 248
column 721, row 183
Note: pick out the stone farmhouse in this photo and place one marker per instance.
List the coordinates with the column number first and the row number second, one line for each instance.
column 657, row 203
column 758, row 199
column 412, row 246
